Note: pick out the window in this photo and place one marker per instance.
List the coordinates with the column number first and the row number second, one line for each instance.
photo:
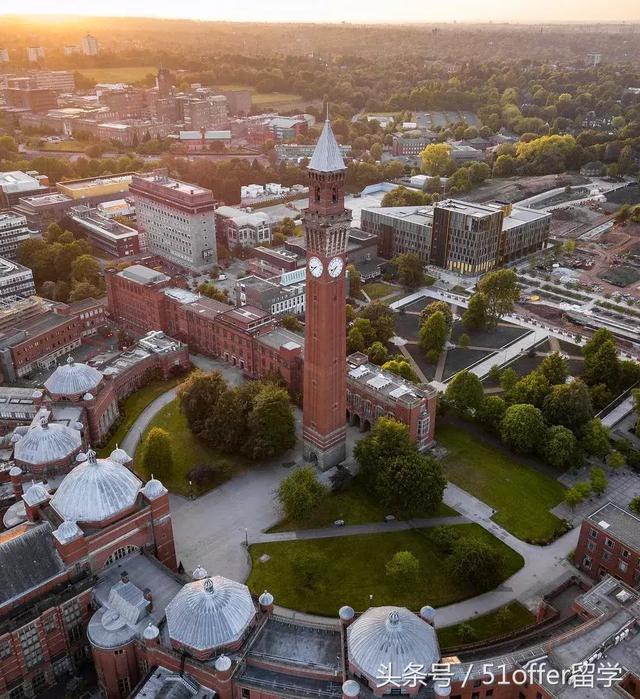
column 246, row 694
column 5, row 650
column 120, row 553
column 17, row 692
column 124, row 686
column 31, row 648
column 623, row 567
column 38, row 683
column 593, row 533
column 625, row 553
column 609, row 543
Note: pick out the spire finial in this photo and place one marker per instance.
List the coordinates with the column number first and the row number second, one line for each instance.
column 327, row 119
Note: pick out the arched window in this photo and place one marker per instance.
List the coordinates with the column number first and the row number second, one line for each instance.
column 120, row 553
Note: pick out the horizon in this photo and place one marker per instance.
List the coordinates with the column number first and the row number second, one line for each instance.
column 374, row 12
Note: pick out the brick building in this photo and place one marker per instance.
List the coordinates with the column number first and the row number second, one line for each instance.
column 609, row 544
column 373, row 393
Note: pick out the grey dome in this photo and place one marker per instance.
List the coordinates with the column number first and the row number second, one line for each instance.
column 199, row 573
column 15, row 471
column 47, row 443
column 266, row 599
column 120, row 456
column 87, row 396
column 351, row 688
column 223, row 663
column 391, row 636
column 67, row 531
column 73, row 378
column 151, row 632
column 210, row 613
column 346, row 613
column 442, row 688
column 428, row 613
column 153, row 489
column 96, row 490
column 35, row 494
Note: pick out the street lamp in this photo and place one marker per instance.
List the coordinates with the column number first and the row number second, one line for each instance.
column 246, row 537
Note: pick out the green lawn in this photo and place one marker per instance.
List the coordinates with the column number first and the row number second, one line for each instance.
column 355, row 505
column 376, row 290
column 65, row 146
column 119, row 75
column 188, row 451
column 261, row 98
column 521, row 495
column 488, row 626
column 133, row 406
column 353, row 567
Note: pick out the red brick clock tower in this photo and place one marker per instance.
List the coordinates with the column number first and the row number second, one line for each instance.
column 326, row 224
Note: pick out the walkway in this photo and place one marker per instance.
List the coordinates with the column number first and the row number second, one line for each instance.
column 355, row 529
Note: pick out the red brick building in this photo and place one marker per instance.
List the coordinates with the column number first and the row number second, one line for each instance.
column 373, row 393
column 100, row 514
column 609, row 544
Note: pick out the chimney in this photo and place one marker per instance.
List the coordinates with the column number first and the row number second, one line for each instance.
column 124, row 576
column 15, row 475
column 149, row 597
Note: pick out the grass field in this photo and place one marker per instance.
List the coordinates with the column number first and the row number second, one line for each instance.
column 133, row 406
column 521, row 495
column 188, row 451
column 487, row 626
column 261, row 98
column 353, row 567
column 65, row 147
column 376, row 290
column 119, row 75
column 355, row 505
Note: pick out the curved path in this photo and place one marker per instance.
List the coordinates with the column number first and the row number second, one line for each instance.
column 212, row 530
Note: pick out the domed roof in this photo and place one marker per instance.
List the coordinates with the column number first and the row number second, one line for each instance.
column 210, row 613
column 428, row 613
column 199, row 573
column 35, row 494
column 67, row 531
column 96, row 490
column 46, row 443
column 392, row 636
column 151, row 632
column 87, row 396
column 266, row 599
column 223, row 663
column 351, row 688
column 153, row 489
column 73, row 378
column 120, row 456
column 15, row 471
column 346, row 613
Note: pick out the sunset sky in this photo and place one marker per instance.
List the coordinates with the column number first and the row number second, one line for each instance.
column 366, row 11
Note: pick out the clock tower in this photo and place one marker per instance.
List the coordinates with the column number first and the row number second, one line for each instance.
column 326, row 225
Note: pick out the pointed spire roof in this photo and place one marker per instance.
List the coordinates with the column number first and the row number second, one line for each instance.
column 327, row 157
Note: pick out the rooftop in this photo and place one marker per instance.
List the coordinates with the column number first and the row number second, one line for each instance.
column 9, row 268
column 327, row 156
column 17, row 181
column 143, row 275
column 242, row 218
column 87, row 182
column 622, row 525
column 388, row 384
column 168, row 183
column 281, row 337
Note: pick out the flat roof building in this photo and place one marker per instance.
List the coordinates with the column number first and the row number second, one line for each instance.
column 106, row 234
column 13, row 231
column 237, row 227
column 16, row 184
column 15, row 280
column 96, row 186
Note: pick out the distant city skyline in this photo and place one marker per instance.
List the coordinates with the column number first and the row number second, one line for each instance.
column 359, row 11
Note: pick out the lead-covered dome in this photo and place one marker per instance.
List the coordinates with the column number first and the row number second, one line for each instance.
column 96, row 490
column 391, row 636
column 72, row 379
column 46, row 443
column 210, row 613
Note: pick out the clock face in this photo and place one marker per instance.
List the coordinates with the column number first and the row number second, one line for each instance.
column 335, row 266
column 315, row 266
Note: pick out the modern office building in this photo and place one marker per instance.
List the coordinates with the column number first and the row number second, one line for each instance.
column 95, row 189
column 15, row 280
column 237, row 227
column 35, row 53
column 175, row 220
column 465, row 237
column 112, row 237
column 13, row 231
column 16, row 184
column 280, row 295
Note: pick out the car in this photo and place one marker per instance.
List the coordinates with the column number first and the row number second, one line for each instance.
column 222, row 277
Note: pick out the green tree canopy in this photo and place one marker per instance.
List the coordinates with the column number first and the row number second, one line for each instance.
column 410, row 270
column 532, row 388
column 432, row 336
column 464, row 392
column 271, row 426
column 554, row 367
column 501, row 290
column 157, row 455
column 522, row 428
column 561, row 447
column 477, row 314
column 476, row 563
column 300, row 493
column 568, row 405
column 403, row 567
column 198, row 395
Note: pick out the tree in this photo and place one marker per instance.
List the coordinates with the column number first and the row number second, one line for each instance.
column 401, row 367
column 225, row 425
column 403, row 567
column 576, row 494
column 410, row 270
column 290, row 322
column 501, row 290
column 560, row 447
column 603, row 366
column 491, row 412
column 508, row 379
column 532, row 388
column 597, row 480
column 198, row 395
column 355, row 341
column 601, row 396
column 355, row 282
column 270, row 424
column 412, row 484
column 464, row 341
column 616, row 460
column 596, row 439
column 86, row 269
column 465, row 392
column 436, row 159
column 300, row 493
column 382, row 318
column 377, row 353
column 434, row 307
column 476, row 563
column 84, row 290
column 476, row 315
column 387, row 441
column 554, row 367
column 634, row 505
column 432, row 336
column 213, row 292
column 157, row 456
column 308, row 568
column 568, row 405
column 522, row 428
